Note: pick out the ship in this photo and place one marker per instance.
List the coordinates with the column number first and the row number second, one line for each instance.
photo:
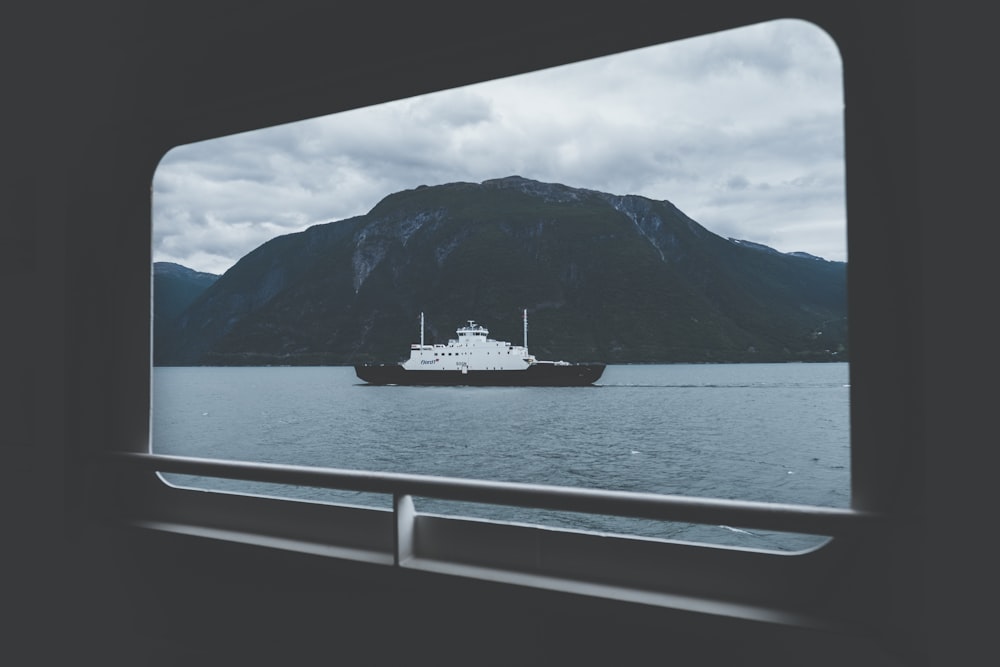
column 475, row 359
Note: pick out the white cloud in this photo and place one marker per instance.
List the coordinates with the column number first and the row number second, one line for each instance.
column 742, row 130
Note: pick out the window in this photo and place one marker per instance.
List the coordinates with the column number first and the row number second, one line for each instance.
column 741, row 129
column 409, row 531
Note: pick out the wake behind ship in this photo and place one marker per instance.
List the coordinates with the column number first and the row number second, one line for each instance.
column 477, row 360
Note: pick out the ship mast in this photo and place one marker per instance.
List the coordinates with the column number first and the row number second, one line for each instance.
column 421, row 330
column 525, row 317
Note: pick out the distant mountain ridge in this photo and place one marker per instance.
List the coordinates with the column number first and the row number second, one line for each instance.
column 614, row 278
column 175, row 287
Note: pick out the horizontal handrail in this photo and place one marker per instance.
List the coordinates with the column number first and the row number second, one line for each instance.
column 808, row 519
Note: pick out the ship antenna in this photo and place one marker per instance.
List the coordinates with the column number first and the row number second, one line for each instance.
column 525, row 316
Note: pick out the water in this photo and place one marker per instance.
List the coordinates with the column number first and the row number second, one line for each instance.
column 762, row 432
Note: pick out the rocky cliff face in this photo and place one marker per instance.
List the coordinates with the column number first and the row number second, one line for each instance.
column 604, row 277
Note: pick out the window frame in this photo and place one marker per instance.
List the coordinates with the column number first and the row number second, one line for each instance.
column 782, row 588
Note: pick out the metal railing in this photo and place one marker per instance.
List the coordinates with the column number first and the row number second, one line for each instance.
column 806, row 519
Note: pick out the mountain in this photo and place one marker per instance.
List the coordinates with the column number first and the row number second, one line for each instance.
column 614, row 278
column 175, row 287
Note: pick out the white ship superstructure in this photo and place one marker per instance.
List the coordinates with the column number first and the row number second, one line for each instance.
column 476, row 359
column 473, row 350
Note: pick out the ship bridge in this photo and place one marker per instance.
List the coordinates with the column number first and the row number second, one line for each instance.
column 473, row 334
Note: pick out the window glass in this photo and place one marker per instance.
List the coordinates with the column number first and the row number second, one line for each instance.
column 675, row 213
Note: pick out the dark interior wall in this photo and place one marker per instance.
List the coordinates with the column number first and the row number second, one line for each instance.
column 95, row 92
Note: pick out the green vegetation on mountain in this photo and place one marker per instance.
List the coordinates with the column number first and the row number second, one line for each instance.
column 620, row 279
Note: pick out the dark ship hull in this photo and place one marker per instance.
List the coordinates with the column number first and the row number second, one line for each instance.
column 537, row 375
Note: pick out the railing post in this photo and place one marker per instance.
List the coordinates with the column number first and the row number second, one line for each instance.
column 406, row 516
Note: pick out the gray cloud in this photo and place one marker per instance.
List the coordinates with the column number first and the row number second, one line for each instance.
column 743, row 130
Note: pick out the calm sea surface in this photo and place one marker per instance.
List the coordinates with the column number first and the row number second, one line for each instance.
column 766, row 432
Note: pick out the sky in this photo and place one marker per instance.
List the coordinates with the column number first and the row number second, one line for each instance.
column 742, row 130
